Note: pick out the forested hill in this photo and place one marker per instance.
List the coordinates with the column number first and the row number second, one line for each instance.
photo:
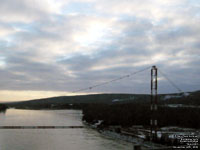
column 189, row 98
column 63, row 101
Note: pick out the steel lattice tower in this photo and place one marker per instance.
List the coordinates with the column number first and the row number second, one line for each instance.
column 154, row 100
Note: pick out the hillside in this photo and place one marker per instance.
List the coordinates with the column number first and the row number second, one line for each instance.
column 126, row 109
column 74, row 101
column 191, row 98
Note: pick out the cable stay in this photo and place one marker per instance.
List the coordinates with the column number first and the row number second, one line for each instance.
column 170, row 81
column 108, row 82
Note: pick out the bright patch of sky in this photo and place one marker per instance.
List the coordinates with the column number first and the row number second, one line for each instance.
column 95, row 32
column 2, row 62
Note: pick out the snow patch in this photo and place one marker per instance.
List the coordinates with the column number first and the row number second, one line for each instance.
column 115, row 100
column 185, row 94
column 171, row 96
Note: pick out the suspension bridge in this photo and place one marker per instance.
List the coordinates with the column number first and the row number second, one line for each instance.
column 153, row 106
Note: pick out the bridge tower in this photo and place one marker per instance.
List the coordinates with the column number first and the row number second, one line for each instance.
column 154, row 101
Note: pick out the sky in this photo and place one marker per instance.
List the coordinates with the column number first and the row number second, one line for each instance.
column 54, row 47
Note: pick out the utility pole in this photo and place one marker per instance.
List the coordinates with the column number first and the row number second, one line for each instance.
column 154, row 101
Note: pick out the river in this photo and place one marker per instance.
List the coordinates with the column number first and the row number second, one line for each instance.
column 52, row 139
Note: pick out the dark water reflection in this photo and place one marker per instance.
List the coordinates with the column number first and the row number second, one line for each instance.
column 52, row 139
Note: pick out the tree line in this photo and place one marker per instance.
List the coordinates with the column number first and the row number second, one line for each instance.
column 139, row 114
column 3, row 107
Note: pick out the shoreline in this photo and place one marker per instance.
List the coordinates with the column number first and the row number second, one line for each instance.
column 138, row 135
column 125, row 137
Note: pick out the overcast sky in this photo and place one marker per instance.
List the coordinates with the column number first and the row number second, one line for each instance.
column 53, row 47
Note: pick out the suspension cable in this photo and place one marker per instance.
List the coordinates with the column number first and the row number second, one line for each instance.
column 170, row 81
column 108, row 82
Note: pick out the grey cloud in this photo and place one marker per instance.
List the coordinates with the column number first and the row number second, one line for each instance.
column 43, row 55
column 20, row 10
column 176, row 34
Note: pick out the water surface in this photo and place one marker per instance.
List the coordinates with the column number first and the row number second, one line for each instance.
column 52, row 139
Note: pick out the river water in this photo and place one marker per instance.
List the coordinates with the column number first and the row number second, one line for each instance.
column 52, row 139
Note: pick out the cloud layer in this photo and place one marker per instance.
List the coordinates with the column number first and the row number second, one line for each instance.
column 62, row 46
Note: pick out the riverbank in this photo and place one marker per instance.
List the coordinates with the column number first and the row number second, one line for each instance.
column 117, row 133
column 131, row 139
column 138, row 135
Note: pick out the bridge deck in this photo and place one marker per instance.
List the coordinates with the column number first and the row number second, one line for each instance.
column 40, row 127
